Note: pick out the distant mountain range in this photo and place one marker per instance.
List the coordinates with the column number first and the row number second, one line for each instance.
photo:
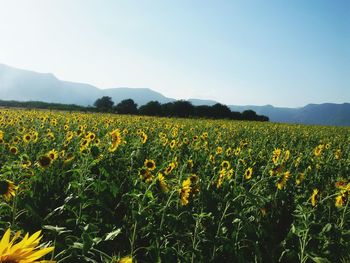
column 24, row 85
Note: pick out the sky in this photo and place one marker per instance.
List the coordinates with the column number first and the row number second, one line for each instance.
column 238, row 52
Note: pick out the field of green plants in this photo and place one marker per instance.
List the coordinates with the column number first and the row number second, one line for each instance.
column 117, row 188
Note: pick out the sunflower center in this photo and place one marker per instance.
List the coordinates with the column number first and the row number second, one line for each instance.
column 149, row 165
column 44, row 161
column 4, row 187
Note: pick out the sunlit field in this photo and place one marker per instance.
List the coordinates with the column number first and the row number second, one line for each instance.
column 117, row 188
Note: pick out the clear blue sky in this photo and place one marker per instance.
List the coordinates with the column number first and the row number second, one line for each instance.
column 284, row 53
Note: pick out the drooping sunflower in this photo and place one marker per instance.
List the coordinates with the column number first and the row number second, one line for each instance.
column 116, row 140
column 318, row 150
column 162, row 183
column 314, row 197
column 24, row 251
column 275, row 155
column 184, row 191
column 7, row 190
column 143, row 137
column 170, row 168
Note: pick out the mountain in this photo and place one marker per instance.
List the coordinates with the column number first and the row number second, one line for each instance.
column 321, row 114
column 25, row 85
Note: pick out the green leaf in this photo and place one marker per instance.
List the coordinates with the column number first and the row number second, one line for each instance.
column 112, row 235
column 320, row 260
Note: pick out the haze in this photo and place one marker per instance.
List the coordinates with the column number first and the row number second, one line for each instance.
column 284, row 53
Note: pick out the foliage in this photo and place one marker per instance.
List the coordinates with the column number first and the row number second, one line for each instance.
column 105, row 187
column 127, row 106
column 104, row 103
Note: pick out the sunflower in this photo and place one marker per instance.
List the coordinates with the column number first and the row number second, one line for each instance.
column 44, row 161
column 146, row 175
column 282, row 182
column 300, row 178
column 248, row 173
column 26, row 164
column 7, row 189
column 170, row 168
column 318, row 150
column 275, row 155
column 172, row 144
column 340, row 200
column 53, row 154
column 286, row 156
column 338, row 154
column 127, row 259
column 185, row 191
column 162, row 184
column 237, row 151
column 219, row 150
column 314, row 196
column 228, row 152
column 26, row 138
column 116, row 140
column 144, row 137
column 69, row 158
column 150, row 164
column 226, row 165
column 13, row 149
column 90, row 136
column 24, row 251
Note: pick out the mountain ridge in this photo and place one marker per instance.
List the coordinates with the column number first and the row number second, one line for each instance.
column 25, row 85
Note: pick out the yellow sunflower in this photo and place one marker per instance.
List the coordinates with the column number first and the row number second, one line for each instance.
column 26, row 138
column 24, row 251
column 248, row 173
column 185, row 191
column 162, row 183
column 314, row 196
column 7, row 190
column 53, row 154
column 13, row 149
column 150, row 164
column 127, row 259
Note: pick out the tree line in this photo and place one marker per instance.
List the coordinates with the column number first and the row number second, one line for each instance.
column 179, row 108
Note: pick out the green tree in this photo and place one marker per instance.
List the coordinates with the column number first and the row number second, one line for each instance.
column 152, row 108
column 127, row 106
column 104, row 104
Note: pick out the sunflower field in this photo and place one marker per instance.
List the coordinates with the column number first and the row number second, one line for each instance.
column 118, row 188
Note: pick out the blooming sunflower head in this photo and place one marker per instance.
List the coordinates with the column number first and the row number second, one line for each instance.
column 26, row 250
column 7, row 190
column 150, row 164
